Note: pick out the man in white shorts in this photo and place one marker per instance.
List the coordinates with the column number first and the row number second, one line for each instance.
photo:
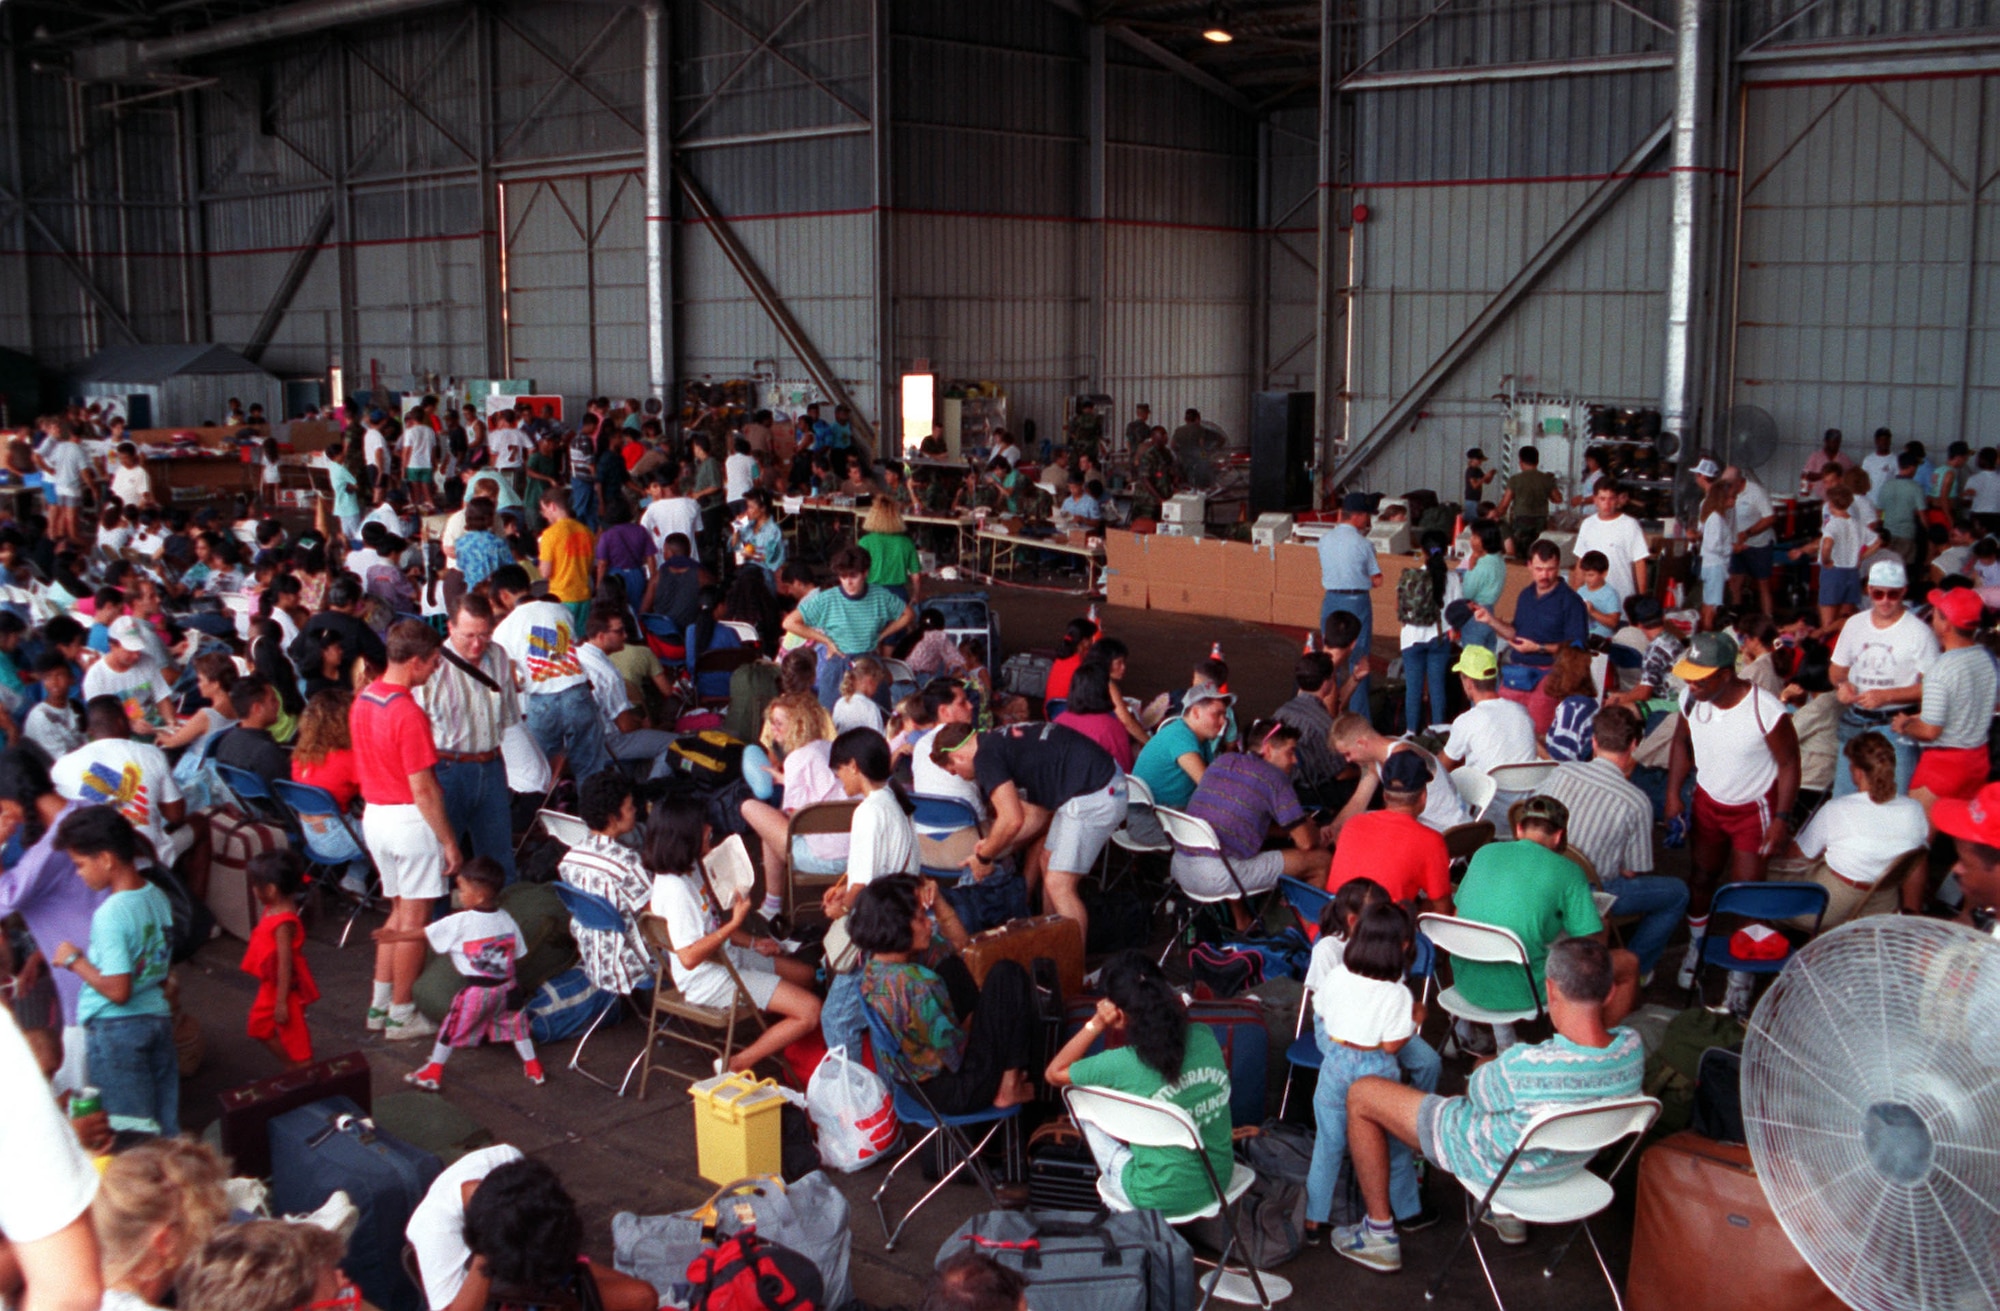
column 1056, row 797
column 405, row 827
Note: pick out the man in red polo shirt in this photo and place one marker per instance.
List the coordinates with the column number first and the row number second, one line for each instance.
column 1393, row 846
column 405, row 826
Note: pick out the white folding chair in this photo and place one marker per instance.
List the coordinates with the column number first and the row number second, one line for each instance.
column 1143, row 1122
column 1475, row 787
column 1135, row 845
column 1581, row 1131
column 1527, row 777
column 748, row 632
column 566, row 829
column 1196, row 837
column 1469, row 940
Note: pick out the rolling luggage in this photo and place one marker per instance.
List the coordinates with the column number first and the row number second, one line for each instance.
column 237, row 840
column 332, row 1146
column 1022, row 940
column 248, row 1111
column 1704, row 1236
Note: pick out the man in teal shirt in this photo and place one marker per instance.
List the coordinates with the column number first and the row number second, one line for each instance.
column 1899, row 501
column 1172, row 762
column 346, row 492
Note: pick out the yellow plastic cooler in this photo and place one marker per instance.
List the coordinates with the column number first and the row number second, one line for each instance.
column 736, row 1127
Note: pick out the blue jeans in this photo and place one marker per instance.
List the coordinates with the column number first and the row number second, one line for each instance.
column 1425, row 666
column 567, row 722
column 477, row 804
column 132, row 1060
column 1661, row 900
column 1851, row 727
column 1361, row 607
column 583, row 501
column 1339, row 1068
column 832, row 668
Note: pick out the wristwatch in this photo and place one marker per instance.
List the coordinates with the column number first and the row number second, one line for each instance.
column 69, row 962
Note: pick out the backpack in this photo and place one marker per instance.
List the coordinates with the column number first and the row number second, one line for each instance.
column 1417, row 598
column 1674, row 1069
column 745, row 1273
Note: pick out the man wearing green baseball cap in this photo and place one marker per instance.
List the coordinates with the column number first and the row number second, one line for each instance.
column 1739, row 743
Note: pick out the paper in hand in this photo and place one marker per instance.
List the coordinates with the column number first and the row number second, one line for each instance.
column 730, row 872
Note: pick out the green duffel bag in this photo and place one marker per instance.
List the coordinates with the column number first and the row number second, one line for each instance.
column 551, row 949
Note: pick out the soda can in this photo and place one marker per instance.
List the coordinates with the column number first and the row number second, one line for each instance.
column 85, row 1101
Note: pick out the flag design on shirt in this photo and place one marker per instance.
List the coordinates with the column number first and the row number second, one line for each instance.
column 491, row 958
column 551, row 654
column 123, row 788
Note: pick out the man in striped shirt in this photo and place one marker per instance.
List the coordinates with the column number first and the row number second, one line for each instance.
column 1611, row 823
column 472, row 702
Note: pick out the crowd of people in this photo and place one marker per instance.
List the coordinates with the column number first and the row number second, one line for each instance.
column 489, row 618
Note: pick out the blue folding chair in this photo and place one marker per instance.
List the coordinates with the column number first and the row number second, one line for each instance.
column 1774, row 902
column 252, row 793
column 1308, row 903
column 938, row 818
column 330, row 844
column 591, row 912
column 914, row 1108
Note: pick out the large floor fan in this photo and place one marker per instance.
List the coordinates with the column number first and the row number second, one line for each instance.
column 1871, row 1098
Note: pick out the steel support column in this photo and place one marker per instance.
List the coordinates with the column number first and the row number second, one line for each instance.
column 659, row 222
column 1693, row 91
column 768, row 299
column 16, row 180
column 1969, row 321
column 1096, row 171
column 1260, row 267
column 1326, row 364
column 343, row 231
column 887, row 390
column 491, row 294
column 1601, row 198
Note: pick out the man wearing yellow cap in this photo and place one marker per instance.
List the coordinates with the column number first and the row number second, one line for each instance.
column 1494, row 731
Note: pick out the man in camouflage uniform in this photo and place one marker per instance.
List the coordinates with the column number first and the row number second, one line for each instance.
column 1086, row 433
column 1154, row 479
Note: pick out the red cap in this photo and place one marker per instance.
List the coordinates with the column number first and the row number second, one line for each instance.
column 1961, row 607
column 1977, row 820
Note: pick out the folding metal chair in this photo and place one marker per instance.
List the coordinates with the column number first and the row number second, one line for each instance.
column 940, row 820
column 566, row 829
column 330, row 842
column 1143, row 1122
column 1582, row 1131
column 1526, row 777
column 255, row 797
column 669, row 1005
column 1769, row 902
column 1308, row 903
column 594, row 914
column 1475, row 787
column 1461, row 841
column 1196, row 837
column 914, row 1108
column 1139, row 801
column 1469, row 940
column 819, row 818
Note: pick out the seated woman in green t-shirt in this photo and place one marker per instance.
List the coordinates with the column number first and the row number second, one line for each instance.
column 1165, row 1058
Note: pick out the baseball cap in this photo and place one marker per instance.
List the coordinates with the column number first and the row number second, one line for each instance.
column 1644, row 611
column 1477, row 662
column 1961, row 607
column 1706, row 468
column 1888, row 573
column 1405, row 771
column 125, row 632
column 1546, row 809
column 1197, row 695
column 1977, row 820
column 1706, row 653
column 1357, row 503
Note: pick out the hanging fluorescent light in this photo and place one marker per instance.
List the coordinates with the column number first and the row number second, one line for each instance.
column 1217, row 30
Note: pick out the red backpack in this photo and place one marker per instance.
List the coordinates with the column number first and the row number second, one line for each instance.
column 745, row 1273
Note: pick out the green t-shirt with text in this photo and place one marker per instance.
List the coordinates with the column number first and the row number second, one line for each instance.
column 1170, row 1179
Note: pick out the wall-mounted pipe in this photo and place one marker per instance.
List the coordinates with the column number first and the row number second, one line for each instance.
column 659, row 272
column 1693, row 67
column 114, row 60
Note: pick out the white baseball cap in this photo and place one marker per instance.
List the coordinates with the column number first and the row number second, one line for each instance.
column 125, row 632
column 1707, row 468
column 1888, row 573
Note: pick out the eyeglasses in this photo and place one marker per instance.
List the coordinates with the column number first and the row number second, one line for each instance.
column 1885, row 593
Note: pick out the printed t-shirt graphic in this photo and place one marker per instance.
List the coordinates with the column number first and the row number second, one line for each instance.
column 107, row 784
column 550, row 654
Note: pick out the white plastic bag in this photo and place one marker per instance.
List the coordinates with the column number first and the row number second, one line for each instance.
column 852, row 1112
column 527, row 766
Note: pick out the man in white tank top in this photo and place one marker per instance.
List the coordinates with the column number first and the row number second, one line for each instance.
column 1739, row 742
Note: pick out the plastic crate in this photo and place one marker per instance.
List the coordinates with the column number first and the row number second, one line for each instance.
column 736, row 1127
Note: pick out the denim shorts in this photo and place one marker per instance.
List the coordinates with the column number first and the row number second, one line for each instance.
column 1839, row 586
column 1754, row 561
column 1714, row 582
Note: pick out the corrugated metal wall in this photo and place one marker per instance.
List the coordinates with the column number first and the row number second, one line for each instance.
column 1291, row 270
column 1868, row 262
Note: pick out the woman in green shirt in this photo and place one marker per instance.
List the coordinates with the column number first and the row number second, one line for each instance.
column 1166, row 1058
column 892, row 555
column 1485, row 579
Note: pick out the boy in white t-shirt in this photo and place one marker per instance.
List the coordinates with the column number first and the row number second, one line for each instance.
column 1843, row 540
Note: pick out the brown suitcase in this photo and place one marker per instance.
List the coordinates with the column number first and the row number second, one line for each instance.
column 247, row 1111
column 1021, row 941
column 1704, row 1236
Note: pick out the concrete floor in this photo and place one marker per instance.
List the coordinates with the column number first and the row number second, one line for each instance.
column 618, row 1155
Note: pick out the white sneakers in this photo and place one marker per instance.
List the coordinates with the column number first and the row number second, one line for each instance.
column 405, row 1028
column 1689, row 962
column 337, row 1215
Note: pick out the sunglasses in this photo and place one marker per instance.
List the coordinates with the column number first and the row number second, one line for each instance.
column 1884, row 593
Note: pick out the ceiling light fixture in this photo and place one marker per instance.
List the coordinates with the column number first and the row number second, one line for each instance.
column 1217, row 30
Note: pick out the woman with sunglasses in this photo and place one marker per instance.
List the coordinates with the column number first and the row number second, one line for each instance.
column 1245, row 796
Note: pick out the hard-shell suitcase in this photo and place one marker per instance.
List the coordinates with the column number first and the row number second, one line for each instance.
column 331, row 1145
column 1704, row 1236
column 1022, row 941
column 236, row 841
column 247, row 1111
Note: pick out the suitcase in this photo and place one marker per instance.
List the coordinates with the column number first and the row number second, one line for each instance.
column 1704, row 1236
column 236, row 840
column 1085, row 1261
column 1238, row 1026
column 1022, row 940
column 247, row 1111
column 1062, row 1174
column 331, row 1145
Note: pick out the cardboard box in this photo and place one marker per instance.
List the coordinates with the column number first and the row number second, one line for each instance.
column 1249, row 606
column 1297, row 571
column 1126, row 553
column 1127, row 592
column 1245, row 568
column 1295, row 611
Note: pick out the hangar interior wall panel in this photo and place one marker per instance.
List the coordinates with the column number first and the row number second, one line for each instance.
column 1868, row 261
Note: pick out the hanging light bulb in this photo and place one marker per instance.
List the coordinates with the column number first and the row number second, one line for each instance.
column 1217, row 30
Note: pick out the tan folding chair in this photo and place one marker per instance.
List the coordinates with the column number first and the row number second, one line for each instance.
column 801, row 889
column 1461, row 840
column 669, row 1006
column 1604, row 900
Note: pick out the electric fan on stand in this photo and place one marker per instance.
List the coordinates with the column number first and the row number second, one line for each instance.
column 1871, row 1100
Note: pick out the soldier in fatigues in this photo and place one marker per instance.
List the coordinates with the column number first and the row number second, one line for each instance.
column 1153, row 480
column 1086, row 434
